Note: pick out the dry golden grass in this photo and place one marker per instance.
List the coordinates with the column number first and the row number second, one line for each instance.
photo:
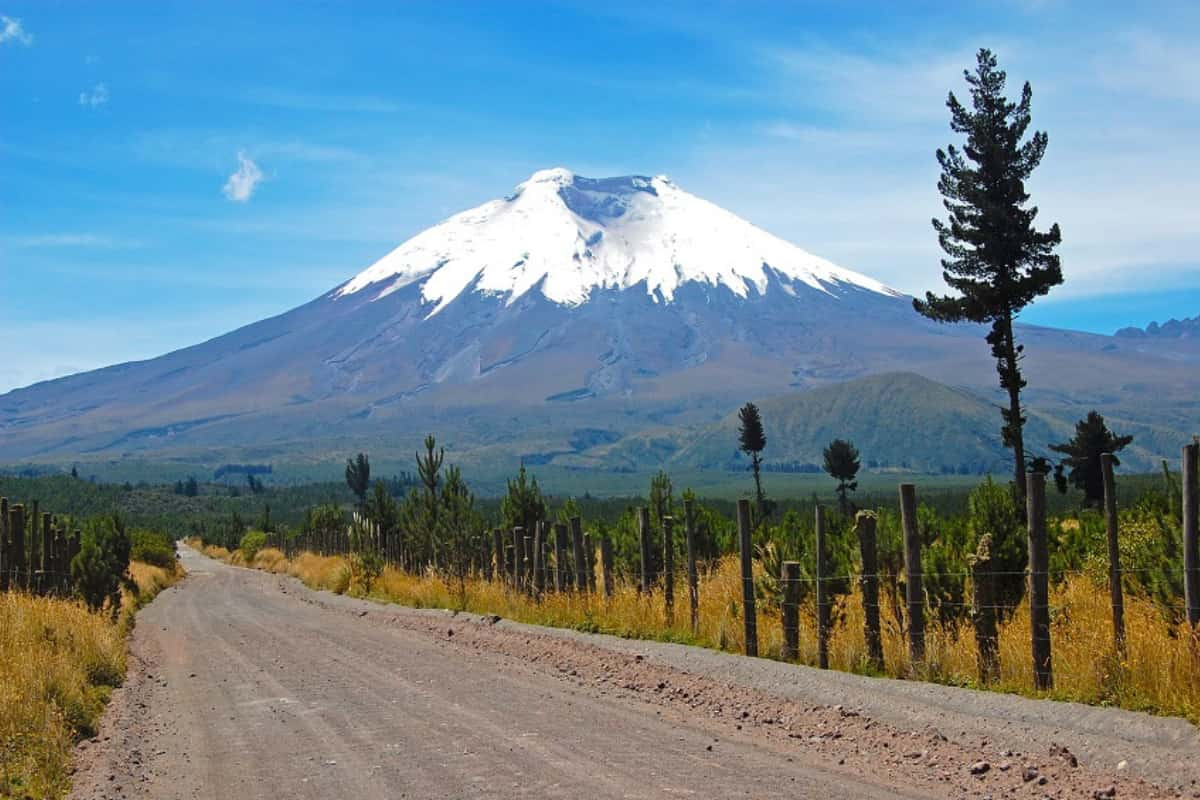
column 58, row 664
column 1159, row 673
column 270, row 559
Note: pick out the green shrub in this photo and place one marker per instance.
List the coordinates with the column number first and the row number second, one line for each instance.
column 152, row 547
column 99, row 568
column 992, row 509
column 251, row 543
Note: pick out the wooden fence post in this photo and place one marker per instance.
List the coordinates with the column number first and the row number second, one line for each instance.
column 589, row 557
column 1114, row 552
column 1191, row 531
column 62, row 566
column 644, row 544
column 76, row 544
column 579, row 554
column 823, row 616
column 1039, row 579
column 46, row 582
column 983, row 610
column 5, row 547
column 669, row 567
column 68, row 553
column 497, row 571
column 539, row 559
column 528, row 548
column 913, row 590
column 790, row 577
column 868, row 582
column 16, row 522
column 748, row 612
column 606, row 564
column 561, row 576
column 33, row 562
column 689, row 532
column 547, row 548
column 518, row 535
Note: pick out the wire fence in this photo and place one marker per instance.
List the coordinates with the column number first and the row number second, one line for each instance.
column 559, row 558
column 36, row 550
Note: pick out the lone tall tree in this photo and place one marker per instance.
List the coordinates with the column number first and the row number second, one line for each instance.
column 842, row 463
column 752, row 442
column 358, row 476
column 523, row 505
column 429, row 469
column 1092, row 437
column 995, row 260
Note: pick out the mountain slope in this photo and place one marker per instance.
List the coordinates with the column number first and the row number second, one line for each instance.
column 557, row 322
column 896, row 420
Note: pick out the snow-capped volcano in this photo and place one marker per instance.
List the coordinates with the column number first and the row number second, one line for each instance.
column 566, row 236
column 580, row 322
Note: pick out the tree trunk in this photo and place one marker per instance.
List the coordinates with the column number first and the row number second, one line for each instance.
column 1010, row 380
column 756, row 462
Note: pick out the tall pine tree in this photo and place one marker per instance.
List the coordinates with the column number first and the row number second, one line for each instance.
column 842, row 462
column 523, row 505
column 1092, row 437
column 358, row 477
column 752, row 440
column 996, row 260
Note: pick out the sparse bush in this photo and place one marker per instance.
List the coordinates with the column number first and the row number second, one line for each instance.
column 152, row 547
column 364, row 561
column 251, row 543
column 991, row 508
column 100, row 567
column 341, row 577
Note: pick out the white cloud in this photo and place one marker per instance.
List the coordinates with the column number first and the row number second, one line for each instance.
column 11, row 30
column 242, row 183
column 97, row 97
column 843, row 164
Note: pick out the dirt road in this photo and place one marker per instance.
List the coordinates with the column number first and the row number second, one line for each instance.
column 248, row 685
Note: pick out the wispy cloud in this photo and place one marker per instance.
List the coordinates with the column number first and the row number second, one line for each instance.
column 11, row 30
column 241, row 184
column 312, row 101
column 297, row 150
column 97, row 97
column 65, row 240
column 1153, row 65
column 899, row 88
column 843, row 165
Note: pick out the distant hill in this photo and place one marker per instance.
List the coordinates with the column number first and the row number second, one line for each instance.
column 898, row 421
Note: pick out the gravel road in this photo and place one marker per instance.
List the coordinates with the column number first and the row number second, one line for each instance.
column 249, row 685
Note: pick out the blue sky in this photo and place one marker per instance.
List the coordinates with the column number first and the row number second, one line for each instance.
column 170, row 171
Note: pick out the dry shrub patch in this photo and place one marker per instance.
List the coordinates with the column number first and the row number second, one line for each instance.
column 58, row 664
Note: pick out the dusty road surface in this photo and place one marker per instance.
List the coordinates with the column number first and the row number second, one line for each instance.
column 248, row 685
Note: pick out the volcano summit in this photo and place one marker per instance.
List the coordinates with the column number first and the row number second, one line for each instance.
column 588, row 322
